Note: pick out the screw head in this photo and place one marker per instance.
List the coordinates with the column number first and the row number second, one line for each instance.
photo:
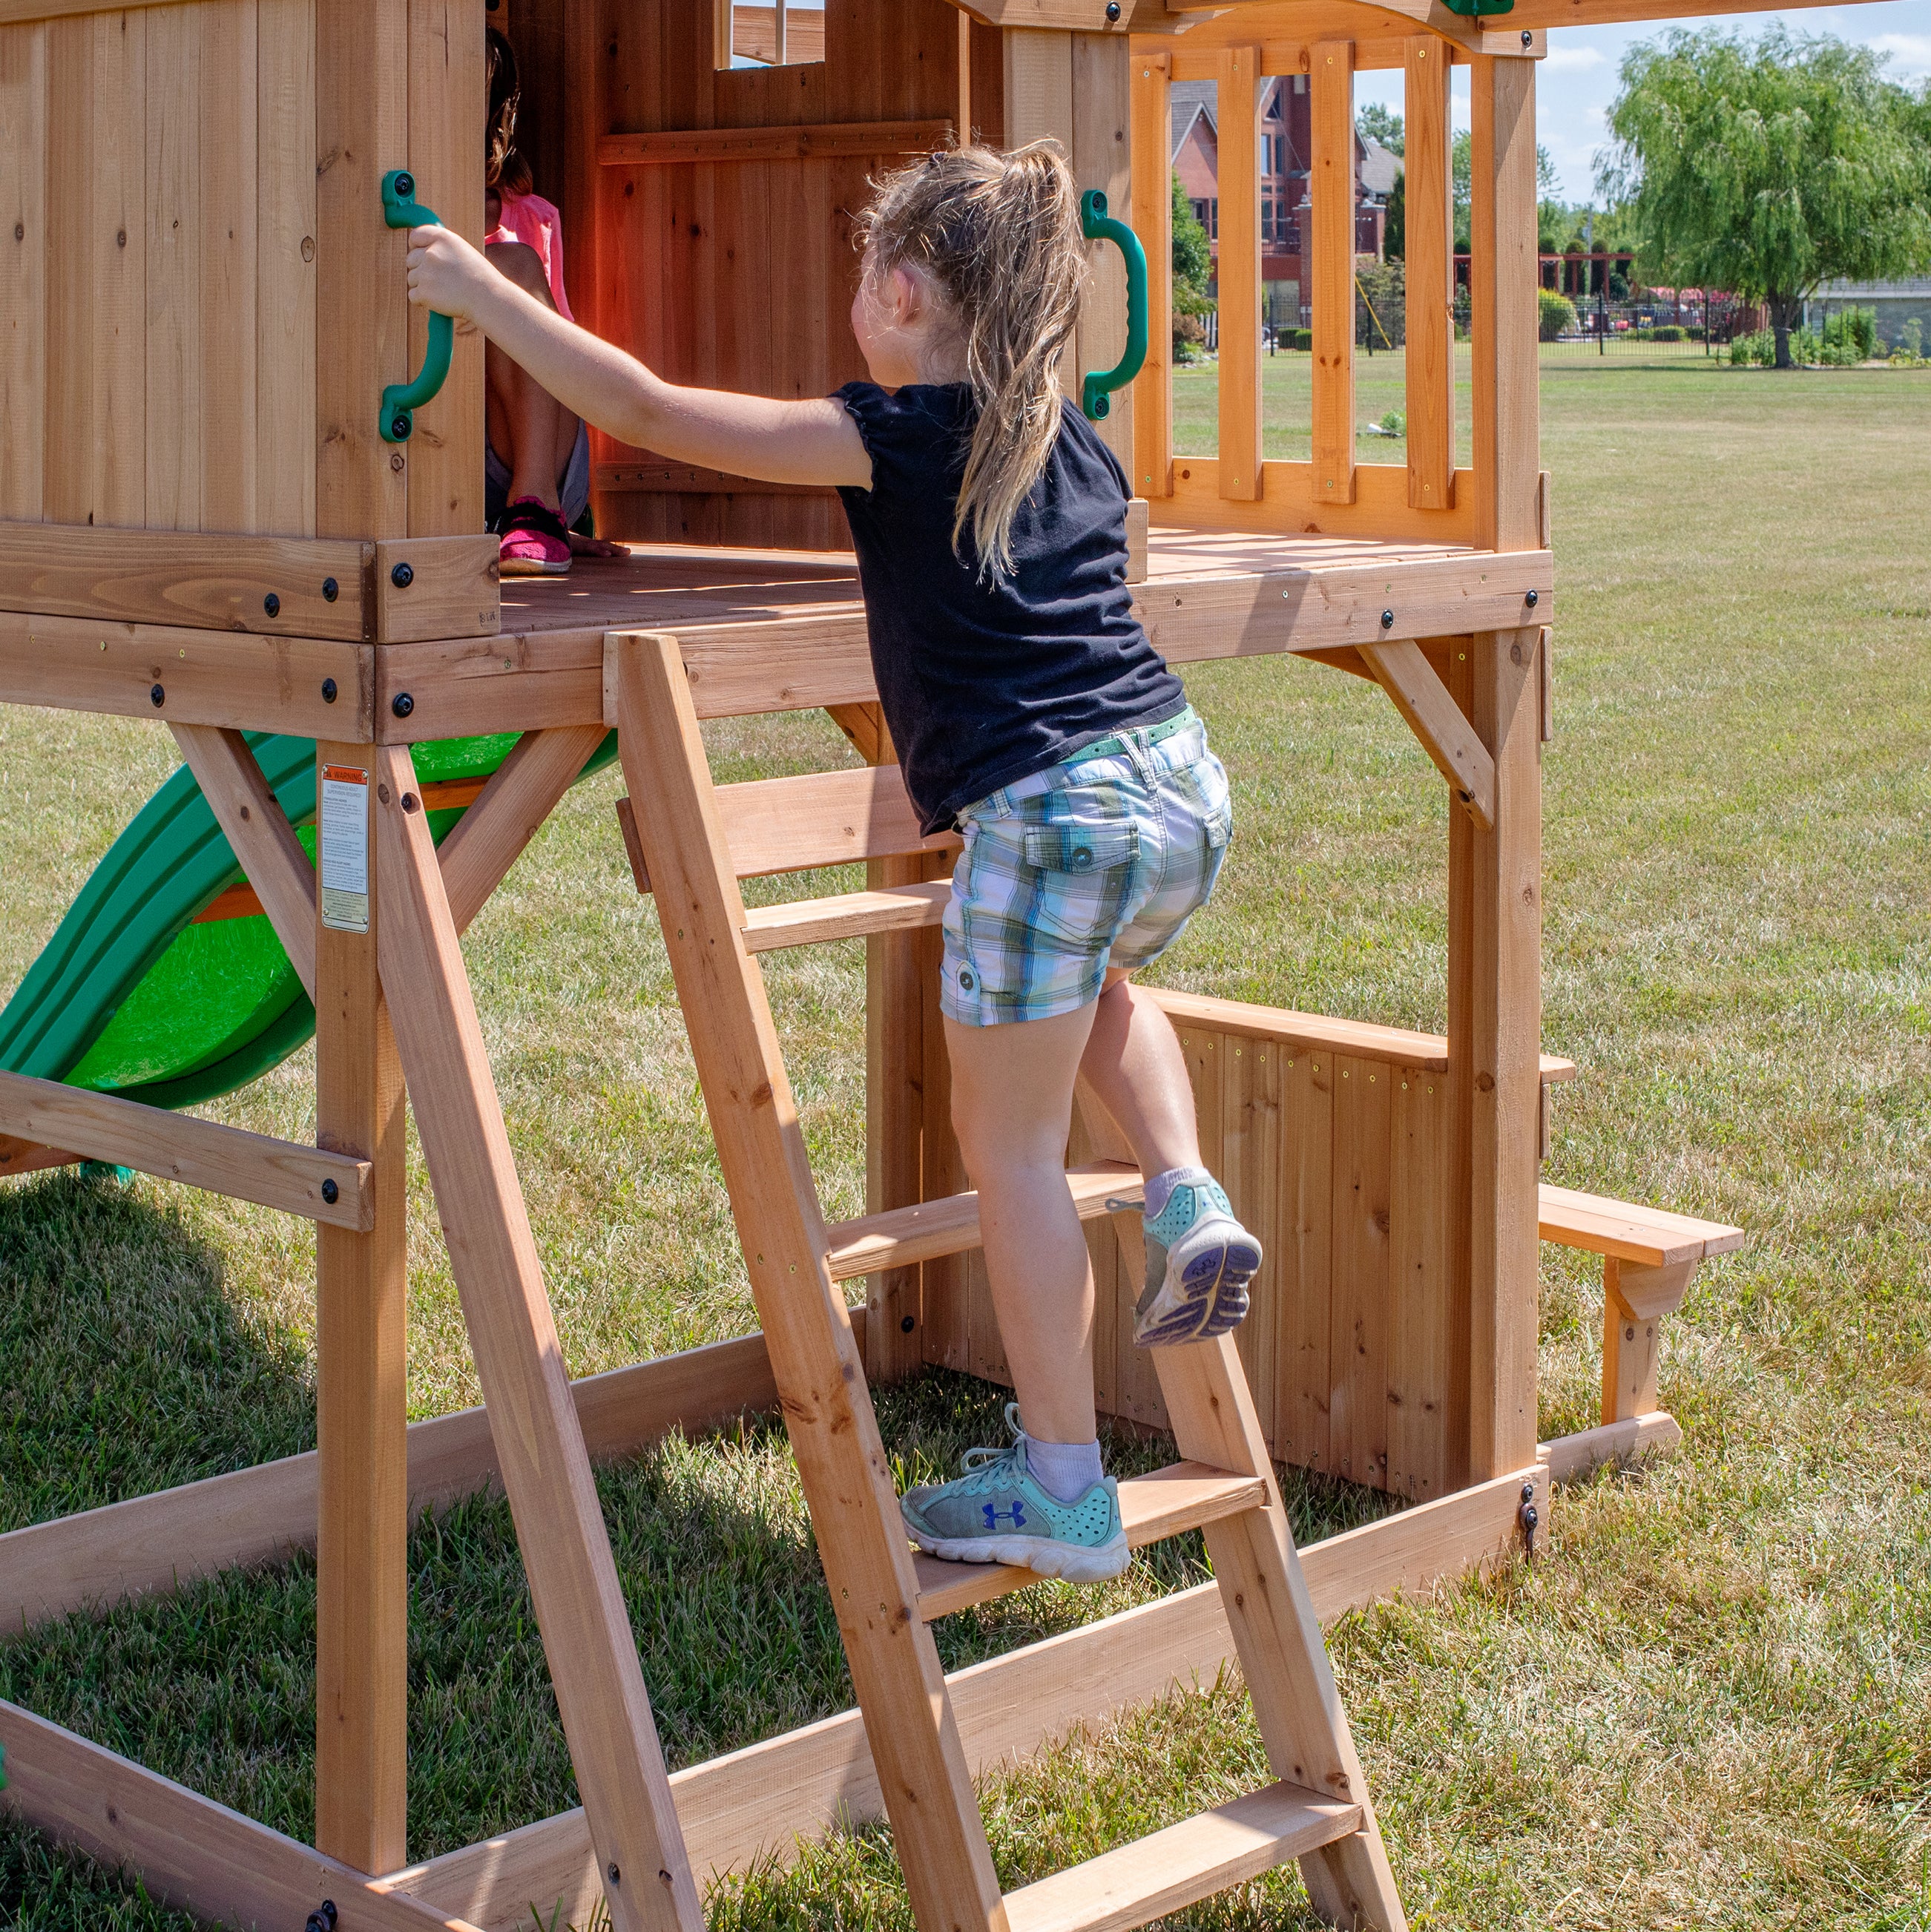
column 400, row 424
column 331, row 1192
column 1112, row 11
column 1528, row 39
column 906, row 1323
column 1532, row 599
column 403, row 576
column 157, row 696
column 405, row 184
column 1387, row 620
column 616, row 1877
column 328, row 690
column 272, row 604
column 331, row 590
column 402, row 704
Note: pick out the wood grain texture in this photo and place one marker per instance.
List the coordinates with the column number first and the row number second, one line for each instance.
column 889, row 909
column 362, row 323
column 1649, row 1237
column 1331, row 268
column 848, row 1484
column 1363, row 1184
column 1569, row 1457
column 205, row 677
column 1404, row 672
column 823, row 818
column 1239, row 474
column 448, row 95
column 437, row 587
column 279, row 869
column 1306, row 1319
column 97, row 280
column 1250, row 1170
column 177, row 1146
column 1421, row 1311
column 190, row 1853
column 1430, row 290
column 24, row 268
column 579, row 1602
column 1149, row 76
column 361, row 1614
column 1102, row 158
column 865, row 138
column 285, row 285
column 169, row 577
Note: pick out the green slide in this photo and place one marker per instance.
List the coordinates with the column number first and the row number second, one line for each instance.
column 131, row 997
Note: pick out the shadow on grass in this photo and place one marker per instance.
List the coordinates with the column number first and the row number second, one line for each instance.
column 215, row 1686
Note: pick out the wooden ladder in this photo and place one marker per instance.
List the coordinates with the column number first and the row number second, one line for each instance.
column 691, row 842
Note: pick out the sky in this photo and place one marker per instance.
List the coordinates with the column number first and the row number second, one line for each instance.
column 1577, row 81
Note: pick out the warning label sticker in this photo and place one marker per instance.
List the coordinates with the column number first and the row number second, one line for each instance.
column 344, row 843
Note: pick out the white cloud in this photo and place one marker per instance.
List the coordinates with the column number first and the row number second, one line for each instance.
column 1562, row 56
column 1911, row 53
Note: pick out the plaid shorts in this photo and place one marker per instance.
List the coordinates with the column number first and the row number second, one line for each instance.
column 1096, row 862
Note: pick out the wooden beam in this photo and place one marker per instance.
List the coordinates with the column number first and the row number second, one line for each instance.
column 204, row 677
column 361, row 1614
column 1430, row 275
column 159, row 1542
column 1150, row 77
column 573, row 1578
column 279, row 871
column 278, row 1173
column 768, row 1800
column 1239, row 277
column 1330, row 255
column 437, row 587
column 220, row 583
column 1569, row 1457
column 680, row 147
column 1406, row 675
column 521, row 793
column 189, row 1853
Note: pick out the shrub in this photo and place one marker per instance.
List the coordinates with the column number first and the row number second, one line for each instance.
column 1670, row 331
column 1850, row 336
column 1297, row 338
column 1557, row 315
column 1759, row 349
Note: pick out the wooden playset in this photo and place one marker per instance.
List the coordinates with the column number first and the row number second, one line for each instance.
column 216, row 518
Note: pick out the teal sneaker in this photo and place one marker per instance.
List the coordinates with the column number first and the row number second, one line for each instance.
column 997, row 1513
column 1199, row 1261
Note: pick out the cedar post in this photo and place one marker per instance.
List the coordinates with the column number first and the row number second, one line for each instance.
column 361, row 1613
column 1495, row 877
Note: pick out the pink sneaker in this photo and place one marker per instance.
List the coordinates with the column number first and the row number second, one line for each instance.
column 534, row 543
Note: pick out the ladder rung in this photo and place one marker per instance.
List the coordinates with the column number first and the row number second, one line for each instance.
column 900, row 1236
column 1152, row 1508
column 844, row 916
column 1171, row 1870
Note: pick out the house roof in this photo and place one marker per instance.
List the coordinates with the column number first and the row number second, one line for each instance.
column 1379, row 167
column 1191, row 100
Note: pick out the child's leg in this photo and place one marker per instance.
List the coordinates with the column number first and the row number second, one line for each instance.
column 529, row 428
column 1134, row 1065
column 1012, row 1091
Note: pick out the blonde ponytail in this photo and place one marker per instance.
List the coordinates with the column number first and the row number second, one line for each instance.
column 998, row 236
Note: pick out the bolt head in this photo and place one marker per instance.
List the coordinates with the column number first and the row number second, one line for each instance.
column 328, row 690
column 402, row 704
column 906, row 1324
column 403, row 576
column 405, row 184
column 1387, row 620
column 400, row 424
column 157, row 696
column 616, row 1877
column 272, row 604
column 1112, row 11
column 1532, row 599
column 331, row 1192
column 331, row 590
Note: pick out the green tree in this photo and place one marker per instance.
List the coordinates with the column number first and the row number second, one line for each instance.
column 1769, row 169
column 1193, row 257
column 1395, row 233
column 1376, row 122
column 1461, row 180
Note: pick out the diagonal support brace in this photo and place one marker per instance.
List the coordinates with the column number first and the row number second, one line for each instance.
column 1404, row 672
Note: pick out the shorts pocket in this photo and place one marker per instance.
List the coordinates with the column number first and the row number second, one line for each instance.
column 1083, row 874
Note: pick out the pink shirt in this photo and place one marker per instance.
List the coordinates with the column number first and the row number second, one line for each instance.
column 531, row 219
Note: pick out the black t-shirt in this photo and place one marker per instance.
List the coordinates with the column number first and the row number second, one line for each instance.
column 985, row 683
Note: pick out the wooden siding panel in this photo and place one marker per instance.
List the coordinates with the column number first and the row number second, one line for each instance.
column 1306, row 1261
column 1419, row 1345
column 229, row 266
column 1363, row 1190
column 1250, row 1172
column 23, row 269
column 285, row 271
column 173, row 335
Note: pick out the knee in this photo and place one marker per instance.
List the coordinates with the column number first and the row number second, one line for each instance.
column 517, row 262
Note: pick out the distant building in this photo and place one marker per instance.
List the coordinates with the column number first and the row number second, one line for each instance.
column 1284, row 151
column 1896, row 305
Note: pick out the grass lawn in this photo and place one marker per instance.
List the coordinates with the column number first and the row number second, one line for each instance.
column 1709, row 1704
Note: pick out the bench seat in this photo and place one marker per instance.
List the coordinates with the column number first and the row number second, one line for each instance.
column 1649, row 1237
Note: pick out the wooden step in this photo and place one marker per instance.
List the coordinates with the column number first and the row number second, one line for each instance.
column 844, row 916
column 1649, row 1237
column 903, row 1235
column 1152, row 1508
column 1171, row 1870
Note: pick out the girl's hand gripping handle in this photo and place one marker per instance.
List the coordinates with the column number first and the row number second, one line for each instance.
column 400, row 400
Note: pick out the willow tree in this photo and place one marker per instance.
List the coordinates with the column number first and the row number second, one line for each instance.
column 1768, row 169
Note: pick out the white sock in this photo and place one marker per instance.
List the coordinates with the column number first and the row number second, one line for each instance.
column 1160, row 1186
column 1066, row 1470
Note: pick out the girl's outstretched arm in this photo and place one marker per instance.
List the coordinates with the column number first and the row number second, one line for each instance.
column 814, row 441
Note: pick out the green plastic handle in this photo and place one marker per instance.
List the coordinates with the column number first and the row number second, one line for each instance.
column 400, row 400
column 1096, row 225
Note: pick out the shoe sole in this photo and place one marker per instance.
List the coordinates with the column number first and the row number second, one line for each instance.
column 1213, row 1288
column 1072, row 1562
column 510, row 566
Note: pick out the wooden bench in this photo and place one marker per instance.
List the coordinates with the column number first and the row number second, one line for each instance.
column 1649, row 1256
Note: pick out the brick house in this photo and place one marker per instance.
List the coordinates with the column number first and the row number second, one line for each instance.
column 1284, row 147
